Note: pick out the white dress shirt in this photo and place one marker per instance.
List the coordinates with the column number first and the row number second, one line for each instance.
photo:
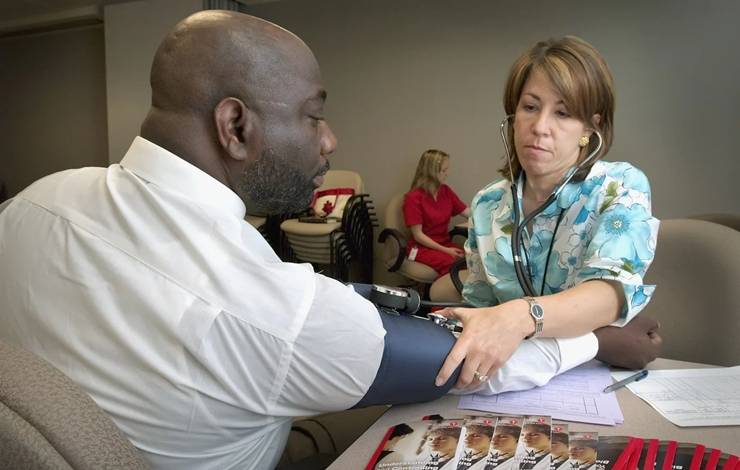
column 144, row 284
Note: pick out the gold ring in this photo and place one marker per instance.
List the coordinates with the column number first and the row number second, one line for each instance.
column 480, row 377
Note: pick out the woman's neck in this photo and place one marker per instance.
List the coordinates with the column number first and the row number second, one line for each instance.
column 537, row 190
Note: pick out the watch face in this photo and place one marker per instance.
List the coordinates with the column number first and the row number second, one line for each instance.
column 537, row 312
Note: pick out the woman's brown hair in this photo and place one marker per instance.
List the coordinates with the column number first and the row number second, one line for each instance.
column 581, row 76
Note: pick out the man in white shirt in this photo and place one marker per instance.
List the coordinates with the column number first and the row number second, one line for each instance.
column 144, row 284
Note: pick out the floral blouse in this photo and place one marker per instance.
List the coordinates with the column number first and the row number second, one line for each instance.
column 606, row 231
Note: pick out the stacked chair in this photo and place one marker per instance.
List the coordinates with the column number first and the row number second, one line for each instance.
column 337, row 244
column 269, row 227
column 256, row 221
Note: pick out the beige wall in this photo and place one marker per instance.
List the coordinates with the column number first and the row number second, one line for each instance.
column 52, row 110
column 133, row 30
column 405, row 75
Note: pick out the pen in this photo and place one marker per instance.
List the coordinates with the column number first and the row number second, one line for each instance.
column 632, row 378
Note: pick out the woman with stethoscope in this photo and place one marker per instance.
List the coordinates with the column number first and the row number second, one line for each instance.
column 560, row 217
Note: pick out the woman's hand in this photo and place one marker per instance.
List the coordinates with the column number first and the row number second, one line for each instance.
column 490, row 336
column 454, row 251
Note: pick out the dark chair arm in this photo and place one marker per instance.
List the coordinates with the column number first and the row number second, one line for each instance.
column 400, row 240
column 455, row 269
column 463, row 232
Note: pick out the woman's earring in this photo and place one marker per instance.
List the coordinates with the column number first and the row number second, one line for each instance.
column 583, row 141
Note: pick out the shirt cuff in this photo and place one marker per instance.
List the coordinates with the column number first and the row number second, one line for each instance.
column 576, row 351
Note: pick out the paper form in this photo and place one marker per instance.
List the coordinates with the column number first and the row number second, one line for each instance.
column 575, row 395
column 692, row 397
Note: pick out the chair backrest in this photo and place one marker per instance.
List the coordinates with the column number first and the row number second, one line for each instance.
column 697, row 299
column 48, row 422
column 342, row 179
column 411, row 269
column 728, row 220
column 394, row 220
column 394, row 215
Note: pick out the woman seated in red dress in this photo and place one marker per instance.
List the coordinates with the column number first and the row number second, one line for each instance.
column 427, row 210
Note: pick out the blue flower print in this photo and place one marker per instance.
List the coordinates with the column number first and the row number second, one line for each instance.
column 500, row 265
column 478, row 294
column 582, row 215
column 641, row 294
column 606, row 232
column 631, row 177
column 633, row 265
column 483, row 211
column 623, row 233
column 538, row 251
column 573, row 191
column 472, row 241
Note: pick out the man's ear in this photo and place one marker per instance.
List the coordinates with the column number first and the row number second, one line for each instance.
column 234, row 127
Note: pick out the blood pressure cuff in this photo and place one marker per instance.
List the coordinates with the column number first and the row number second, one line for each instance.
column 414, row 352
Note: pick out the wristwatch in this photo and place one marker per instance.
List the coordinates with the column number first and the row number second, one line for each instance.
column 538, row 314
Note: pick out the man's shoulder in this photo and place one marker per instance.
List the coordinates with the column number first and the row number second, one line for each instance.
column 52, row 182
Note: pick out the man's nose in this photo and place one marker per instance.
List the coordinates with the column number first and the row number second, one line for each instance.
column 328, row 140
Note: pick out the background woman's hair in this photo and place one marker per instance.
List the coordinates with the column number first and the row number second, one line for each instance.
column 427, row 171
column 581, row 76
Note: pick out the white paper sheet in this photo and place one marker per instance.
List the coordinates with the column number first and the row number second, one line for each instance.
column 573, row 396
column 692, row 397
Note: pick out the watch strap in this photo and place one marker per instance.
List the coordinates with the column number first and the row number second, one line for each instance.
column 538, row 315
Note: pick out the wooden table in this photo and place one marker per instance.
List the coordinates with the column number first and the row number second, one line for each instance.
column 640, row 419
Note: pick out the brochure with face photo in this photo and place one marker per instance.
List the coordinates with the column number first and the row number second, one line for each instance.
column 475, row 438
column 501, row 454
column 488, row 442
column 582, row 450
column 421, row 445
column 534, row 443
column 559, row 447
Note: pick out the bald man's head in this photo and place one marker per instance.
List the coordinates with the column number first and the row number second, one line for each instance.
column 242, row 99
column 214, row 54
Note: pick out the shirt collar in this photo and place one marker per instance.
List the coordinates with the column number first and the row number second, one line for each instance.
column 163, row 168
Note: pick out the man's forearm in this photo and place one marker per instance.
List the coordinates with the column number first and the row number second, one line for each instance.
column 536, row 362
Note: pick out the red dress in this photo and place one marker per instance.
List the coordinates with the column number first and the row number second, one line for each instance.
column 420, row 208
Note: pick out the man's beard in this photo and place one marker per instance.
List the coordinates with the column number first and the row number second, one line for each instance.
column 273, row 186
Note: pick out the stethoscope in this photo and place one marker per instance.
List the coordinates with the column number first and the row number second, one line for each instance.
column 517, row 235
